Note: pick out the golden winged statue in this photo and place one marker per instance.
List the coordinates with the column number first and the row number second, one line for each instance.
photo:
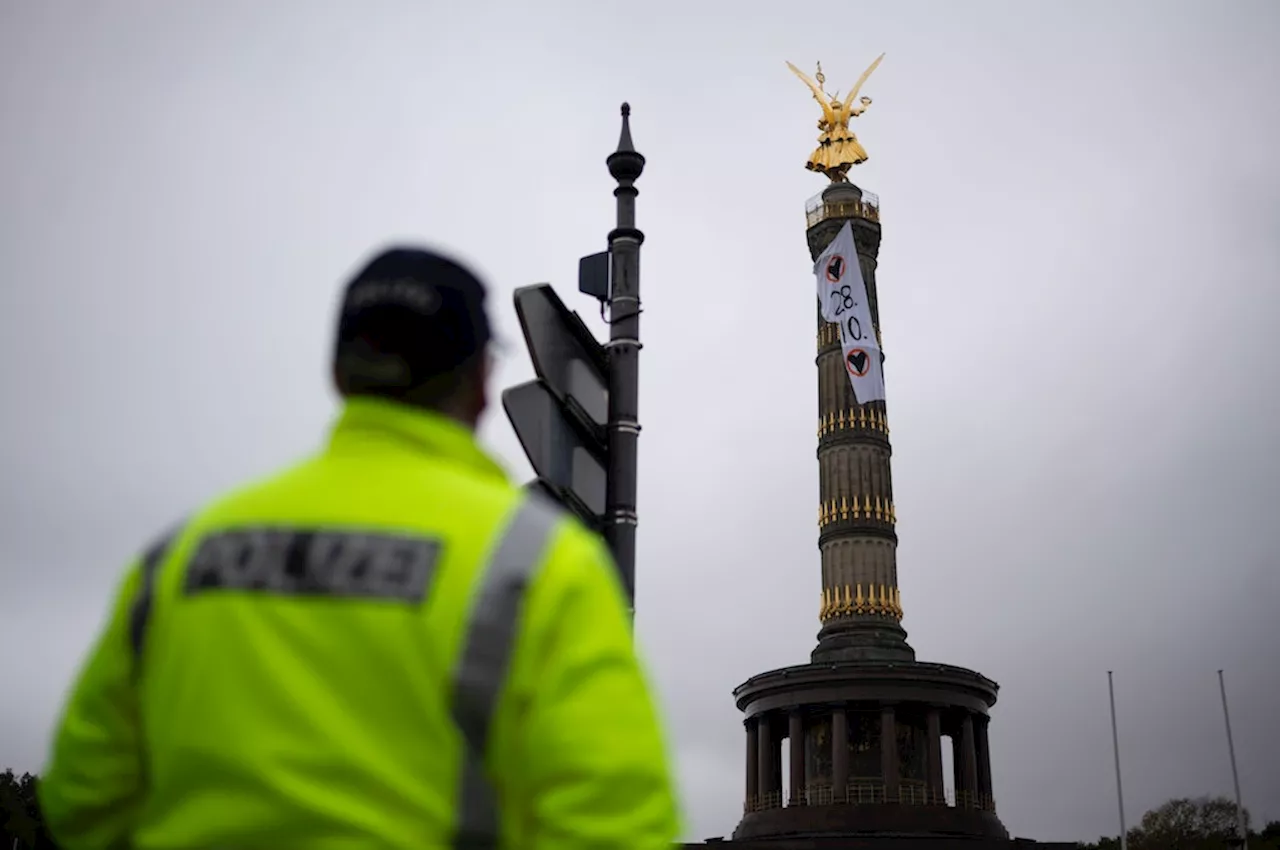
column 838, row 148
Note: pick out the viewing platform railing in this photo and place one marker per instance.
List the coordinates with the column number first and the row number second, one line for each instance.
column 816, row 210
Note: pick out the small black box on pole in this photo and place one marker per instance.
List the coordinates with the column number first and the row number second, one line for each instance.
column 593, row 276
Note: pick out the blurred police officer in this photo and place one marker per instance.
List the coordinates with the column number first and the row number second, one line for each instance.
column 386, row 645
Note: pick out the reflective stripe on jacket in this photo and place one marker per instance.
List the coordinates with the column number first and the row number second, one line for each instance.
column 386, row 645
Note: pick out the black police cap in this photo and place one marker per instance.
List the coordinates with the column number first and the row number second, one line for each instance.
column 409, row 315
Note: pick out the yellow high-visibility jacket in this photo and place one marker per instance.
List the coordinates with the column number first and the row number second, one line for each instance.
column 385, row 646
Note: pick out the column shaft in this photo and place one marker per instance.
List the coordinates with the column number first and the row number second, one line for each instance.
column 753, row 761
column 795, row 733
column 985, row 791
column 765, row 756
column 860, row 583
column 936, row 788
column 957, row 769
column 839, row 754
column 970, row 752
column 889, row 753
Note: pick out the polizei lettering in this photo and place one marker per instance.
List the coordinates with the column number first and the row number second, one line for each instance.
column 314, row 562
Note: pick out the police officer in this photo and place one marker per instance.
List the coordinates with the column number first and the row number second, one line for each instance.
column 386, row 645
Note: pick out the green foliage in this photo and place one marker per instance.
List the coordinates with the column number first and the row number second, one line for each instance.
column 19, row 813
column 1204, row 823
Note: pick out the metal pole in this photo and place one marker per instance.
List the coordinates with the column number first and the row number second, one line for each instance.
column 626, row 165
column 1115, row 743
column 1235, row 775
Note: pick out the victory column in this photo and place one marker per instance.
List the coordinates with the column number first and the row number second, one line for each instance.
column 866, row 721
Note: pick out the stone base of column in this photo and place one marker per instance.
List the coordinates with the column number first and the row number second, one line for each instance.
column 862, row 639
column 870, row 820
column 886, row 842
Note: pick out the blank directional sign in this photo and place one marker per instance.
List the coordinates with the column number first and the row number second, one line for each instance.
column 563, row 455
column 565, row 354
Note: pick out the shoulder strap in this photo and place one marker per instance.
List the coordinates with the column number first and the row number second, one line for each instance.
column 487, row 650
column 140, row 612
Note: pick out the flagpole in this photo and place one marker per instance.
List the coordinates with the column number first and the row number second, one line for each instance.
column 1115, row 743
column 1235, row 775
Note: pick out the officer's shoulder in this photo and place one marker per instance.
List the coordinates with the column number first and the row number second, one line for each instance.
column 247, row 492
column 243, row 500
column 476, row 494
column 571, row 543
column 172, row 536
column 158, row 547
column 503, row 497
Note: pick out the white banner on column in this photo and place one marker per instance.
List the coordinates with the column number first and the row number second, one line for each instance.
column 843, row 296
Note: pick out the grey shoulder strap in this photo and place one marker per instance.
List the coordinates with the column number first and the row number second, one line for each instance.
column 488, row 646
column 140, row 612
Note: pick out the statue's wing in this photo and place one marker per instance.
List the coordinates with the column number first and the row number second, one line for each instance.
column 815, row 88
column 858, row 86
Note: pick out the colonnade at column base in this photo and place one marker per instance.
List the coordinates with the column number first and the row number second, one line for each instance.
column 866, row 739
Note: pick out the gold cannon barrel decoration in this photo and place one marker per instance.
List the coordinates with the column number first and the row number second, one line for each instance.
column 861, row 419
column 829, row 335
column 851, row 508
column 852, row 599
column 844, row 508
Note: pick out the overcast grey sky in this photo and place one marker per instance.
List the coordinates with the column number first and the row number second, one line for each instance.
column 1078, row 284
